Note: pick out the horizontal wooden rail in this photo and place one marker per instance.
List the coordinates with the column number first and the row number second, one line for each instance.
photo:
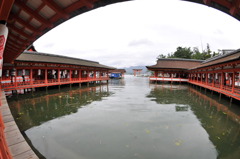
column 19, row 84
column 226, row 89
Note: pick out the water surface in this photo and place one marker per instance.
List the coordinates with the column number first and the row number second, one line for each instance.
column 129, row 118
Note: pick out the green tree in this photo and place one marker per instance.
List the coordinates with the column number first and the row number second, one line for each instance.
column 183, row 52
column 188, row 53
column 161, row 56
column 196, row 54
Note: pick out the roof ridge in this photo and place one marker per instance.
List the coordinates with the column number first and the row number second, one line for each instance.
column 181, row 59
column 54, row 55
column 220, row 56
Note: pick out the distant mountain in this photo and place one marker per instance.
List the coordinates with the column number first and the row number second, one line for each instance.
column 129, row 70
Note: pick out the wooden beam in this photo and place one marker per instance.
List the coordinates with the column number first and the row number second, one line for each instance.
column 74, row 6
column 207, row 2
column 33, row 13
column 19, row 31
column 234, row 8
column 24, row 23
column 59, row 11
column 88, row 4
column 5, row 8
column 224, row 3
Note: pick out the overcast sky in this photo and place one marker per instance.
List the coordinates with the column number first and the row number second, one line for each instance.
column 136, row 32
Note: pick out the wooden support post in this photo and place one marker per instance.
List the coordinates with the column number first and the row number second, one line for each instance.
column 155, row 73
column 46, row 74
column 222, row 80
column 213, row 79
column 79, row 75
column 233, row 82
column 31, row 77
column 87, row 84
column 80, row 85
column 201, row 78
column 59, row 76
column 207, row 78
column 220, row 96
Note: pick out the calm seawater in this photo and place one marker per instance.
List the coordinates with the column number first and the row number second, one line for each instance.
column 129, row 119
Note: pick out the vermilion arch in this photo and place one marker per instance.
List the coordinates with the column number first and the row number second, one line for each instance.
column 27, row 20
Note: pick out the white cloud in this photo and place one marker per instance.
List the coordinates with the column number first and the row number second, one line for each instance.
column 136, row 32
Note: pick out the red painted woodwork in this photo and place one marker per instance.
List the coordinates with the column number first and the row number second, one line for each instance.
column 33, row 80
column 5, row 8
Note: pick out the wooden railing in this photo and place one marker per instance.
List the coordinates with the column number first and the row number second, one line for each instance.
column 171, row 79
column 4, row 150
column 19, row 84
column 227, row 89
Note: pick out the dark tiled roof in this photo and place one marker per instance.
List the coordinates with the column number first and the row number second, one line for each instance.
column 235, row 55
column 117, row 71
column 175, row 63
column 30, row 56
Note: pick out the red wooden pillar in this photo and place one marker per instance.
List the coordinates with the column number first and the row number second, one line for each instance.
column 213, row 79
column 233, row 81
column 59, row 75
column 201, row 77
column 94, row 74
column 46, row 78
column 70, row 75
column 207, row 78
column 87, row 72
column 222, row 80
column 155, row 73
column 79, row 75
column 31, row 76
column 15, row 78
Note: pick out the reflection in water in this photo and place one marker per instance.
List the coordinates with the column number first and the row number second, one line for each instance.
column 221, row 122
column 31, row 111
column 118, row 82
column 135, row 120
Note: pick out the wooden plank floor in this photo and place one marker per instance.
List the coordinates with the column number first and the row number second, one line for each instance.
column 18, row 147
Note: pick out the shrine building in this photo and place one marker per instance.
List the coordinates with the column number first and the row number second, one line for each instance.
column 220, row 73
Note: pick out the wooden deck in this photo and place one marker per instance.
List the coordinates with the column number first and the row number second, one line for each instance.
column 16, row 85
column 16, row 143
column 226, row 90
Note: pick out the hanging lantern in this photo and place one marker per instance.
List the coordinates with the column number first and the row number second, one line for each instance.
column 7, row 73
column 39, row 72
column 23, row 72
column 13, row 72
column 75, row 72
